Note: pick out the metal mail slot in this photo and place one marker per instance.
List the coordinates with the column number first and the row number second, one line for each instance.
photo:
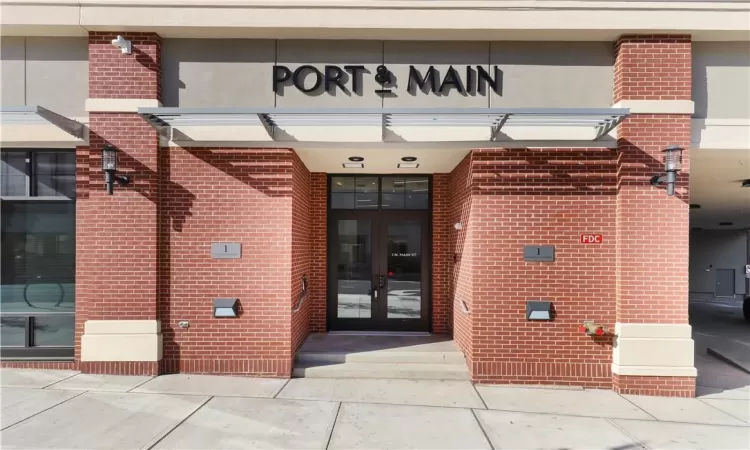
column 226, row 250
column 538, row 252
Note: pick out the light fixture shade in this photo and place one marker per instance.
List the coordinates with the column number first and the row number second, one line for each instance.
column 225, row 307
column 673, row 158
column 109, row 158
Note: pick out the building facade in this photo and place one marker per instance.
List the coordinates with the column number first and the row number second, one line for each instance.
column 444, row 168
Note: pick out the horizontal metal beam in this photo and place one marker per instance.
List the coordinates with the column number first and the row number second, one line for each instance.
column 166, row 111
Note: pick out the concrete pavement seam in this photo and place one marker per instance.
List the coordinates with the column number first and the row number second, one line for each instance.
column 140, row 384
column 333, row 427
column 625, row 432
column 481, row 427
column 281, row 388
column 45, row 409
column 60, row 381
column 479, row 395
column 180, row 423
column 629, row 401
column 721, row 410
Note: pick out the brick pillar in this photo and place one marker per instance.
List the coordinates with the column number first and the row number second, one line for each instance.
column 117, row 235
column 318, row 250
column 441, row 254
column 654, row 352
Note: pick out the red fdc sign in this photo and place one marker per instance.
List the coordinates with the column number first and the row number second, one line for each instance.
column 592, row 239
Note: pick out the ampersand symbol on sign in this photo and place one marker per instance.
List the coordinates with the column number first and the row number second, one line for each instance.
column 383, row 75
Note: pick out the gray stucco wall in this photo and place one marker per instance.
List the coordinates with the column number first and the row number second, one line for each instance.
column 237, row 72
column 49, row 72
column 717, row 249
column 721, row 79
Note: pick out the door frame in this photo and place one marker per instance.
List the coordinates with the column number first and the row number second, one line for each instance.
column 378, row 218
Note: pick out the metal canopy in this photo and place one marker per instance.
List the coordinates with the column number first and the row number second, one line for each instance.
column 35, row 115
column 602, row 120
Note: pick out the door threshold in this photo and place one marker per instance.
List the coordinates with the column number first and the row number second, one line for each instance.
column 380, row 333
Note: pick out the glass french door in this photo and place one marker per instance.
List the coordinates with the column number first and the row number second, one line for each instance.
column 378, row 270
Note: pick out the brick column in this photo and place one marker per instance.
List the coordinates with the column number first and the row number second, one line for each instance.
column 441, row 253
column 117, row 235
column 318, row 251
column 654, row 352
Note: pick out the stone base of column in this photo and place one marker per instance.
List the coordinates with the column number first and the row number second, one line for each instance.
column 121, row 341
column 654, row 359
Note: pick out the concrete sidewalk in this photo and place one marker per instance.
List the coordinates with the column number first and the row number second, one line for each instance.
column 57, row 409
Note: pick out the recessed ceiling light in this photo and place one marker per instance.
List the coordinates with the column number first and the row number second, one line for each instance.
column 356, row 158
column 746, row 183
column 409, row 159
column 408, row 165
column 725, row 224
column 353, row 166
column 695, row 206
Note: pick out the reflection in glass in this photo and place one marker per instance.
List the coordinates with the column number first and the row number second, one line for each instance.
column 354, row 269
column 13, row 331
column 404, row 270
column 55, row 174
column 405, row 192
column 38, row 256
column 13, row 174
column 54, row 330
column 354, row 192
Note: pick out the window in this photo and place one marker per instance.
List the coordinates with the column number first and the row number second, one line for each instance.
column 391, row 192
column 37, row 258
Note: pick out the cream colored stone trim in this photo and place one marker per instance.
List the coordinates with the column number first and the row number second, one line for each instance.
column 124, row 105
column 653, row 349
column 121, row 340
column 648, row 371
column 657, row 106
column 39, row 135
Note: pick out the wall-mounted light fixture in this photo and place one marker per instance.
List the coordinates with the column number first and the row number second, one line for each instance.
column 538, row 310
column 125, row 46
column 672, row 165
column 225, row 307
column 109, row 166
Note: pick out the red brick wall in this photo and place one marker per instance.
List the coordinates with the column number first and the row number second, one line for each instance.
column 301, row 256
column 461, row 246
column 115, row 75
column 318, row 250
column 227, row 195
column 542, row 196
column 660, row 386
column 656, row 67
column 442, row 260
column 652, row 228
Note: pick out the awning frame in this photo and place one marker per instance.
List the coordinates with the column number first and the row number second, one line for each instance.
column 28, row 114
column 603, row 120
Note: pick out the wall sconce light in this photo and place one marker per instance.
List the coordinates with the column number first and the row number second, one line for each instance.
column 225, row 307
column 538, row 310
column 125, row 46
column 672, row 165
column 109, row 166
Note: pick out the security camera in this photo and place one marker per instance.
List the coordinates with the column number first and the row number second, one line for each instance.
column 123, row 44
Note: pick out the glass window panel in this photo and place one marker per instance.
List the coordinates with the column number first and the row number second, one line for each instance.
column 13, row 331
column 417, row 184
column 393, row 201
column 393, row 185
column 366, row 185
column 417, row 201
column 13, row 174
column 38, row 256
column 354, row 269
column 341, row 200
column 404, row 269
column 342, row 184
column 54, row 331
column 367, row 201
column 55, row 173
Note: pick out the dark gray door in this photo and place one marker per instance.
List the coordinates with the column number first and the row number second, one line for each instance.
column 724, row 283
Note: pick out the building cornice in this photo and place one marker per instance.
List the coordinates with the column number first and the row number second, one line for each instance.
column 394, row 19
